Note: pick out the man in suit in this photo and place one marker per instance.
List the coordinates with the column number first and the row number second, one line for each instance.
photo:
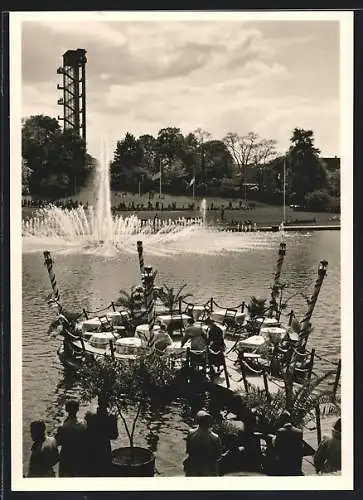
column 288, row 451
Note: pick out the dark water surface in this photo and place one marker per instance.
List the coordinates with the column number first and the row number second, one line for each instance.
column 91, row 281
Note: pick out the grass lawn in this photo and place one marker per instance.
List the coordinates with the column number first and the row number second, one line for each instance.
column 262, row 214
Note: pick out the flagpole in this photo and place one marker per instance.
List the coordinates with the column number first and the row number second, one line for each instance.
column 193, row 182
column 160, row 178
column 284, row 209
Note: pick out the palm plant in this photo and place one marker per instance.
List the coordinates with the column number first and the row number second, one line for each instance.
column 125, row 386
column 132, row 301
column 170, row 297
column 300, row 401
column 256, row 306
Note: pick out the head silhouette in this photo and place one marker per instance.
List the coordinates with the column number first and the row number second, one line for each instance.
column 37, row 430
column 72, row 407
column 204, row 420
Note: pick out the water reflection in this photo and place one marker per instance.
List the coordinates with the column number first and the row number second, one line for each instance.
column 92, row 282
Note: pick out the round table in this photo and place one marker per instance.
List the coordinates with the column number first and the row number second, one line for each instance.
column 268, row 321
column 220, row 315
column 114, row 317
column 143, row 332
column 273, row 333
column 91, row 325
column 253, row 342
column 102, row 339
column 128, row 345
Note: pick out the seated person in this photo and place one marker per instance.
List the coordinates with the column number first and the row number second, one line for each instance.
column 215, row 336
column 327, row 457
column 288, row 450
column 198, row 338
column 162, row 339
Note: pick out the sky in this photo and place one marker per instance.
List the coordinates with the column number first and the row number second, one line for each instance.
column 221, row 75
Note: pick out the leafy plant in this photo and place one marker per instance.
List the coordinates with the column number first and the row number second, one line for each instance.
column 299, row 401
column 170, row 296
column 132, row 301
column 125, row 384
column 256, row 306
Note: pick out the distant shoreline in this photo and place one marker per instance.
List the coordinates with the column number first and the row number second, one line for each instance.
column 264, row 217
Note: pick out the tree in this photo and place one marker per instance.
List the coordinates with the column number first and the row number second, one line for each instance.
column 132, row 301
column 306, row 172
column 58, row 160
column 149, row 158
column 125, row 385
column 26, row 173
column 202, row 136
column 169, row 144
column 127, row 156
column 242, row 149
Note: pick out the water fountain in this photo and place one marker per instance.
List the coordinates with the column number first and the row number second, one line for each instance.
column 96, row 230
column 203, row 210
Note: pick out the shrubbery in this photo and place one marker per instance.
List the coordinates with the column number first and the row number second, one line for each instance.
column 322, row 201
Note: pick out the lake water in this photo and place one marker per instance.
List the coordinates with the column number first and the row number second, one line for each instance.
column 227, row 266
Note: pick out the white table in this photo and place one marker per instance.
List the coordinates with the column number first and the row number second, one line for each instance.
column 253, row 343
column 128, row 345
column 102, row 339
column 268, row 321
column 91, row 325
column 167, row 318
column 143, row 332
column 273, row 333
column 114, row 317
column 220, row 315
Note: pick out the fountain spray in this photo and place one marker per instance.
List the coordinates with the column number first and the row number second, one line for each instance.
column 203, row 210
column 104, row 223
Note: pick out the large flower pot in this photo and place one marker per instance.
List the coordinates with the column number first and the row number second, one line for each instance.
column 133, row 462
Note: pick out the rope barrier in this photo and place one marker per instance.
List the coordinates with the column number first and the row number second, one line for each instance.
column 334, row 363
column 100, row 310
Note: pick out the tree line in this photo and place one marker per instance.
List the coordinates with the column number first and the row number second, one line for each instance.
column 56, row 164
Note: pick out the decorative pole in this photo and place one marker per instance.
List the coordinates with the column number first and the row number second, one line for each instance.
column 49, row 263
column 274, row 291
column 149, row 293
column 140, row 252
column 305, row 322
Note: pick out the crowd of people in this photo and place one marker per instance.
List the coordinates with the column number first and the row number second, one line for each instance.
column 132, row 205
column 83, row 449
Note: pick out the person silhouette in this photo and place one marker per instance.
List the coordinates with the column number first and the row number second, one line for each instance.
column 44, row 452
column 71, row 437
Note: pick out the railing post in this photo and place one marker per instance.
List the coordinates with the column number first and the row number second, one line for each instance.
column 291, row 316
column 85, row 313
column 243, row 307
column 112, row 350
column 318, row 423
column 265, row 383
column 211, row 304
column 337, row 378
column 113, row 306
column 225, row 371
column 244, row 378
column 312, row 356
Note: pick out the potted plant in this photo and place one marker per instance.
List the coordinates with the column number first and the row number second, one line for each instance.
column 170, row 297
column 133, row 301
column 256, row 306
column 125, row 385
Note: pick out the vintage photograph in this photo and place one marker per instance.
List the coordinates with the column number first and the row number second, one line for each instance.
column 181, row 272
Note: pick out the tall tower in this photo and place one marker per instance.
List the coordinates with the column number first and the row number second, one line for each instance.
column 74, row 91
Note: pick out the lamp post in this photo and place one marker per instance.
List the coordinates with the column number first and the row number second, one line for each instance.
column 305, row 322
column 149, row 277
